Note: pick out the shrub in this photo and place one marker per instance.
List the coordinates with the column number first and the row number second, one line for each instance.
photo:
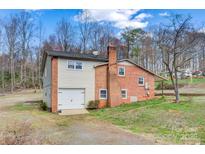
column 93, row 104
column 43, row 106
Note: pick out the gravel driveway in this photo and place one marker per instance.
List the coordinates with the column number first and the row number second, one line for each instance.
column 92, row 131
column 80, row 129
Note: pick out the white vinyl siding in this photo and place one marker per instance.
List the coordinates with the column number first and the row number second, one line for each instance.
column 78, row 79
column 47, row 82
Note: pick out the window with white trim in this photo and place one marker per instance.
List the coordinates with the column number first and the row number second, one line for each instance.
column 71, row 65
column 141, row 81
column 124, row 93
column 121, row 71
column 75, row 65
column 79, row 66
column 103, row 93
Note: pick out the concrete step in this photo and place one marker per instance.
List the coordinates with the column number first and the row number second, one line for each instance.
column 73, row 111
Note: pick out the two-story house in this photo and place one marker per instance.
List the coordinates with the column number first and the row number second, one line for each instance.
column 71, row 80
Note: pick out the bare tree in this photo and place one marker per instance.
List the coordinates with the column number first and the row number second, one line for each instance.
column 85, row 29
column 201, row 54
column 97, row 32
column 65, row 34
column 39, row 52
column 2, row 63
column 26, row 33
column 11, row 39
column 176, row 41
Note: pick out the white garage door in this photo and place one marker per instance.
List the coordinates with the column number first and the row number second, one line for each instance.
column 71, row 99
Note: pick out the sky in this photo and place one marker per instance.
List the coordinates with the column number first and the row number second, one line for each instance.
column 118, row 18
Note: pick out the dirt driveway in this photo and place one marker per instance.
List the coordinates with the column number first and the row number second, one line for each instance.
column 92, row 131
column 18, row 97
column 54, row 129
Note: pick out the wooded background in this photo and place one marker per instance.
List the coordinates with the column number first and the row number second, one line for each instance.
column 171, row 47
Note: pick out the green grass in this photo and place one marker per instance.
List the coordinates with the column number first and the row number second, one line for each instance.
column 24, row 107
column 189, row 81
column 182, row 82
column 182, row 123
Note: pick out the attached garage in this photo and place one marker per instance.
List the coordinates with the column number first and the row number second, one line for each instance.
column 71, row 98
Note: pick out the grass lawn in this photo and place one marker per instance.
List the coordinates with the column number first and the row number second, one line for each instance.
column 182, row 82
column 182, row 123
column 189, row 81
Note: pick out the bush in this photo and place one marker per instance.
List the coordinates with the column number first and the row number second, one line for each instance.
column 93, row 104
column 43, row 106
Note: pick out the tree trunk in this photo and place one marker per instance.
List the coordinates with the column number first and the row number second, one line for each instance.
column 39, row 70
column 12, row 71
column 176, row 87
column 2, row 75
column 21, row 73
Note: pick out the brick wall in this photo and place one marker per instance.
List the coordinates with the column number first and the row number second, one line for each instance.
column 54, row 84
column 129, row 82
column 100, row 83
column 113, row 83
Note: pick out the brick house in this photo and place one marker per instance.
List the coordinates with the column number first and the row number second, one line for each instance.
column 71, row 80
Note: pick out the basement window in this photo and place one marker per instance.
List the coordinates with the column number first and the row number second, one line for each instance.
column 103, row 93
column 141, row 81
column 124, row 93
column 121, row 71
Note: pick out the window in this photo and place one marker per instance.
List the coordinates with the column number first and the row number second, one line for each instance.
column 71, row 64
column 78, row 66
column 75, row 65
column 121, row 71
column 141, row 81
column 124, row 93
column 103, row 93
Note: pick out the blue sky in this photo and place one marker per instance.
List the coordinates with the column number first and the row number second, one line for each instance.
column 118, row 18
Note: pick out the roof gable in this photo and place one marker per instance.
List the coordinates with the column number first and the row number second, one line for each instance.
column 133, row 63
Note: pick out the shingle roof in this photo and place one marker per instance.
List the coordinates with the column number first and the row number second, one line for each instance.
column 132, row 62
column 90, row 57
column 76, row 55
column 71, row 55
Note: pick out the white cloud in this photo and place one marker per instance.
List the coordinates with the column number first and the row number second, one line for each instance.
column 165, row 14
column 142, row 16
column 120, row 18
column 201, row 30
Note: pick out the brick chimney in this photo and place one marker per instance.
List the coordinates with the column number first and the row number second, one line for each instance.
column 112, row 54
column 114, row 91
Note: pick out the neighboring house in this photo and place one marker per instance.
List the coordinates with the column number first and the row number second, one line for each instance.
column 71, row 80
